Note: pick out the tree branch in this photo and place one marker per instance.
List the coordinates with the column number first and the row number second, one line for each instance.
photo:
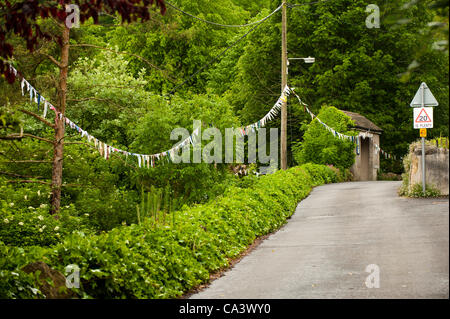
column 9, row 137
column 29, row 181
column 27, row 161
column 115, row 86
column 164, row 72
column 47, row 183
column 17, row 175
column 17, row 136
column 58, row 64
column 98, row 99
column 40, row 118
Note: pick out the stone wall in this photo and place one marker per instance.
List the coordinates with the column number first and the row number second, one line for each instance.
column 436, row 167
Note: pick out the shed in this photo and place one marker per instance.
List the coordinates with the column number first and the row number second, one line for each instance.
column 367, row 160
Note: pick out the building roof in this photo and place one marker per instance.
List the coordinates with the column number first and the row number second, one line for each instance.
column 363, row 123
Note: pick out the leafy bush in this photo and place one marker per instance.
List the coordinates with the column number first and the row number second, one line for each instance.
column 320, row 174
column 319, row 146
column 35, row 226
column 381, row 176
column 417, row 191
column 106, row 210
column 442, row 142
column 23, row 196
column 163, row 261
column 26, row 228
column 14, row 283
column 343, row 175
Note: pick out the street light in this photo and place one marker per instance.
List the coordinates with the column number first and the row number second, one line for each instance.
column 307, row 60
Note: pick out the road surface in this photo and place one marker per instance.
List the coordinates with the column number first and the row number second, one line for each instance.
column 338, row 231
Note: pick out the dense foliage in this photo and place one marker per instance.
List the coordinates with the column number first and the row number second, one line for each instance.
column 321, row 147
column 153, row 260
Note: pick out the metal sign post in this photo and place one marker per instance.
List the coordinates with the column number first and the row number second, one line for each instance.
column 424, row 180
column 423, row 119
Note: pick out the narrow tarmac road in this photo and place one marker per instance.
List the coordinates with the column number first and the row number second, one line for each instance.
column 335, row 233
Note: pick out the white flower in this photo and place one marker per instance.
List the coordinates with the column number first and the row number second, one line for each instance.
column 11, row 204
column 56, row 228
column 43, row 227
column 6, row 220
column 21, row 223
column 43, row 205
column 26, row 197
column 57, row 234
column 39, row 193
column 34, row 290
column 41, row 230
column 86, row 214
column 40, row 217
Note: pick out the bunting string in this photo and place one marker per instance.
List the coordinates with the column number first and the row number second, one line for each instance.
column 273, row 113
column 144, row 160
column 354, row 139
column 105, row 150
column 149, row 160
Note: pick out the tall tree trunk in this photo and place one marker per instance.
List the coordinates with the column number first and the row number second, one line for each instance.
column 57, row 168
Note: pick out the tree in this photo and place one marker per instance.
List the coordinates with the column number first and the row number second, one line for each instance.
column 183, row 45
column 319, row 146
column 23, row 17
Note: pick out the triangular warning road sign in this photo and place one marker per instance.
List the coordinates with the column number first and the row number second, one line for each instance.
column 423, row 117
column 428, row 97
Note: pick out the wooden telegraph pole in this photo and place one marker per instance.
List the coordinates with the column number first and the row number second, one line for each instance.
column 283, row 85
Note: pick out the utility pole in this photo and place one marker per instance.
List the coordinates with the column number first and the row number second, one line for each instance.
column 283, row 85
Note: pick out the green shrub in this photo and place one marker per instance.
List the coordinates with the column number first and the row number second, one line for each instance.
column 23, row 196
column 320, row 174
column 417, row 191
column 163, row 261
column 105, row 210
column 29, row 227
column 319, row 146
column 36, row 226
column 14, row 283
column 381, row 176
column 442, row 142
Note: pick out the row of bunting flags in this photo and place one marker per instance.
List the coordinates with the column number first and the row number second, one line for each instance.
column 144, row 160
column 149, row 160
column 105, row 150
column 273, row 113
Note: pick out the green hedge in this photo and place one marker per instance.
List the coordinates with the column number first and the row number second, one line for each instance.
column 148, row 261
